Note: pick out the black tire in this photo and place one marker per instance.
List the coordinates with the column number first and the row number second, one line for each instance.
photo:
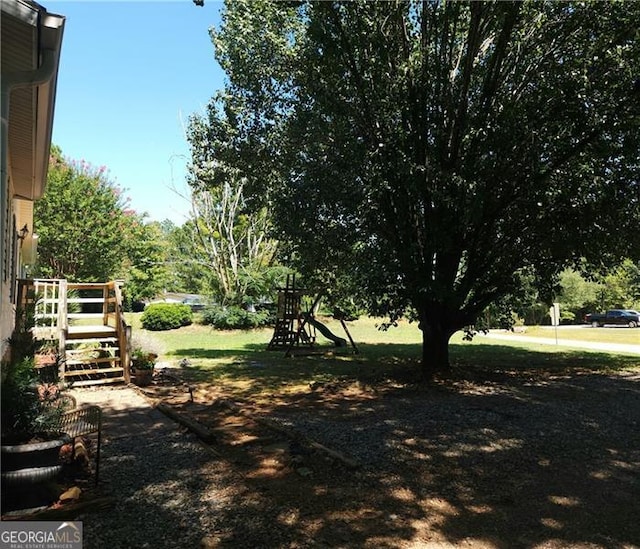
column 632, row 324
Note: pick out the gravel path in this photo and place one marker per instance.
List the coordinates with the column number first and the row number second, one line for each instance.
column 169, row 488
column 551, row 462
column 600, row 411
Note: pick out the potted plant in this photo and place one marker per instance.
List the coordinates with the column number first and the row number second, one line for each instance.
column 30, row 437
column 144, row 354
column 143, row 363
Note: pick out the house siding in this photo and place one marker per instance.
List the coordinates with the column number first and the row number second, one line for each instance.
column 9, row 255
column 30, row 51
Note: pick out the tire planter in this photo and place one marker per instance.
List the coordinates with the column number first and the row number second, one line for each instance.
column 26, row 470
column 32, row 455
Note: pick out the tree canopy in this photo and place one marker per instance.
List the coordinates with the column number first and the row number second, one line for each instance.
column 435, row 150
column 80, row 222
column 87, row 232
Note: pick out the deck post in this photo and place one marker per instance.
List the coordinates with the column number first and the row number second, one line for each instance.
column 62, row 327
column 105, row 304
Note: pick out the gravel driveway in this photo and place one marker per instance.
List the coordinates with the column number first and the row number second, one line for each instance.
column 512, row 462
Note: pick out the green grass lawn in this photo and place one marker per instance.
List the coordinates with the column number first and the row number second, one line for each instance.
column 239, row 360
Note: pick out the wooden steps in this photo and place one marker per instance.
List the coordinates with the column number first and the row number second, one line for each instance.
column 92, row 356
column 87, row 321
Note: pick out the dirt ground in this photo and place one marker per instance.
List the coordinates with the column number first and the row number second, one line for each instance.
column 522, row 460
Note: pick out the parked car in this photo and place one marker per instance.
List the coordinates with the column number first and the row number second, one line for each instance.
column 620, row 317
column 195, row 302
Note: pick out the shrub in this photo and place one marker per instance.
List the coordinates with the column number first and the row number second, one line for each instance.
column 30, row 408
column 166, row 316
column 233, row 318
column 269, row 311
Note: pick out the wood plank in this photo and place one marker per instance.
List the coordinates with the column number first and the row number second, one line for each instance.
column 103, row 381
column 72, row 373
column 86, row 285
column 90, row 361
column 92, row 340
column 79, row 332
column 85, row 353
column 200, row 430
column 69, row 511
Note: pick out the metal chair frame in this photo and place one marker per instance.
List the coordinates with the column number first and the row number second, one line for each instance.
column 81, row 422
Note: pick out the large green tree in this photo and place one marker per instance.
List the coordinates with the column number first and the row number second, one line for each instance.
column 433, row 150
column 146, row 264
column 184, row 271
column 80, row 222
column 619, row 287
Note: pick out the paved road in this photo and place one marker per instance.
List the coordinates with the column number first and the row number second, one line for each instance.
column 618, row 348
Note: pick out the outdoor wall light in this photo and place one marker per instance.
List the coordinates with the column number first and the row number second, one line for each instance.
column 22, row 233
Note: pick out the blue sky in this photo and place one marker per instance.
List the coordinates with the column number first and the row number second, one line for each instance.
column 131, row 73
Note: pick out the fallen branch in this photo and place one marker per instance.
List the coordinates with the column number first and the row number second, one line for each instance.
column 200, row 430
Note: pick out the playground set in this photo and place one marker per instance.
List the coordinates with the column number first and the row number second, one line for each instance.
column 297, row 329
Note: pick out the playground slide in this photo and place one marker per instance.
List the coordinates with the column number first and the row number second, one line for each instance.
column 338, row 341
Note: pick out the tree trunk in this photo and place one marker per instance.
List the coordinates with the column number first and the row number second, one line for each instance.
column 436, row 332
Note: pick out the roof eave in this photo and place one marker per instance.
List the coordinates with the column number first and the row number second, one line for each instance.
column 30, row 92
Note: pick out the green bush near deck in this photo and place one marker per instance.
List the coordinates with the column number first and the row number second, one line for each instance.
column 166, row 316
